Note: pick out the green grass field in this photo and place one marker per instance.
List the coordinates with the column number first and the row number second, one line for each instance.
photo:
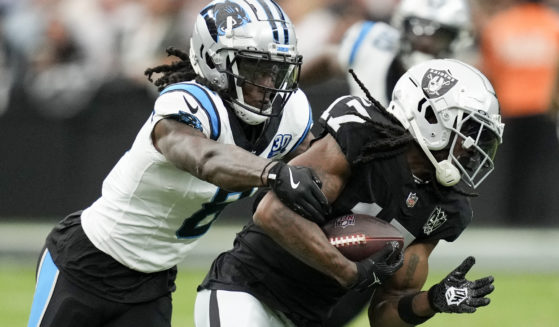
column 519, row 300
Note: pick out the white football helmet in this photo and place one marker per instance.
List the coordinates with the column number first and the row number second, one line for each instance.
column 450, row 106
column 432, row 28
column 238, row 44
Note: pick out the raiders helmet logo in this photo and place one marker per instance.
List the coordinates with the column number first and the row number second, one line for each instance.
column 216, row 17
column 436, row 83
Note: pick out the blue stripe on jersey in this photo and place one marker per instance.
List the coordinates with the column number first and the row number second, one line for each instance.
column 206, row 103
column 307, row 129
column 364, row 31
column 46, row 279
column 270, row 19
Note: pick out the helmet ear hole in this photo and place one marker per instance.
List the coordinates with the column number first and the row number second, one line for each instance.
column 430, row 115
column 209, row 61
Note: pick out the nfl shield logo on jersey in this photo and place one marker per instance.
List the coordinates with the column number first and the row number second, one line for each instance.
column 411, row 200
column 437, row 219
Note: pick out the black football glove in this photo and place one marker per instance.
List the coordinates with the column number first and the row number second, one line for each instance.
column 456, row 294
column 299, row 189
column 377, row 268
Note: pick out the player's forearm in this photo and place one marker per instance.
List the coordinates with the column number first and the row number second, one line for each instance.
column 413, row 307
column 454, row 294
column 227, row 166
column 232, row 168
column 400, row 302
column 304, row 240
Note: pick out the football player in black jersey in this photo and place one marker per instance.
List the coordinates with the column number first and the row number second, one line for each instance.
column 414, row 165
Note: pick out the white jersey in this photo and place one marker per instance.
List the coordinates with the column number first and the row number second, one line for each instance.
column 369, row 48
column 151, row 213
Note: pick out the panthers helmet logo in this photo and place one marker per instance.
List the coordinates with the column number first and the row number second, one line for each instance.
column 217, row 24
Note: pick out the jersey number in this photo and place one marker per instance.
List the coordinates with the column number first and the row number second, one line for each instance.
column 336, row 122
column 190, row 228
column 281, row 141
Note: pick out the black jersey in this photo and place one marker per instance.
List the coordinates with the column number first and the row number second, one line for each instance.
column 383, row 187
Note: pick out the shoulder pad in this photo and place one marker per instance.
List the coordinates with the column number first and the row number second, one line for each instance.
column 196, row 101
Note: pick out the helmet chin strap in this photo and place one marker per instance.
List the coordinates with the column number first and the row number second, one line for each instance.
column 193, row 61
column 447, row 174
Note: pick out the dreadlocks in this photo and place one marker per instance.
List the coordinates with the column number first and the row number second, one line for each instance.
column 175, row 72
column 396, row 137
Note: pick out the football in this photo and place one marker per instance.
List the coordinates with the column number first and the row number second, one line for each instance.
column 360, row 236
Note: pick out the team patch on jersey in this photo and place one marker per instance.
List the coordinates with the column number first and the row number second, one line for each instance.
column 189, row 119
column 412, row 200
column 436, row 83
column 343, row 222
column 437, row 218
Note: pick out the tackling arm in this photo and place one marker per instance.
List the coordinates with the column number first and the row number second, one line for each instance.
column 227, row 166
column 235, row 169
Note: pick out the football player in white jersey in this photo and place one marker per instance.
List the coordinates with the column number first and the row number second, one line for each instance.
column 380, row 52
column 227, row 113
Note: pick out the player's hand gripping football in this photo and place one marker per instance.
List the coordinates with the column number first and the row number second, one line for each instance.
column 299, row 189
column 456, row 294
column 377, row 268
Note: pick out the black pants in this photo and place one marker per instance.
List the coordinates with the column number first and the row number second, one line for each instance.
column 349, row 307
column 58, row 302
column 78, row 285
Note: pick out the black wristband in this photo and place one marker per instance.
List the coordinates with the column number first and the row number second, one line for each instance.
column 406, row 313
column 263, row 170
column 433, row 291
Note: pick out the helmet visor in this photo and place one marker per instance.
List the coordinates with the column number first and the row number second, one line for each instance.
column 270, row 75
column 428, row 36
column 263, row 80
column 474, row 149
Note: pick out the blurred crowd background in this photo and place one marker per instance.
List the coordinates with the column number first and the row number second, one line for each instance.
column 73, row 95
